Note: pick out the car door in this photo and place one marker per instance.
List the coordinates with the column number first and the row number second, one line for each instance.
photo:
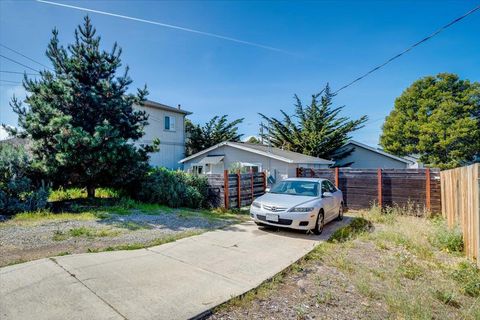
column 337, row 195
column 328, row 202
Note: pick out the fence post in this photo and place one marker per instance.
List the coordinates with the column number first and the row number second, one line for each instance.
column 264, row 178
column 239, row 190
column 336, row 177
column 225, row 188
column 428, row 190
column 297, row 174
column 251, row 182
column 379, row 183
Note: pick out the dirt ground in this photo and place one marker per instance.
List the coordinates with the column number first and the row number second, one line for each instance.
column 25, row 240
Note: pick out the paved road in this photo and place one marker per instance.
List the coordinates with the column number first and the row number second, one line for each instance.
column 178, row 280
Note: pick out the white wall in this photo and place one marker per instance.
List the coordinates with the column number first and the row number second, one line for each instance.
column 172, row 143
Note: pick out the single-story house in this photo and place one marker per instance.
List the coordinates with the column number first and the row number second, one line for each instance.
column 279, row 164
column 167, row 124
column 367, row 157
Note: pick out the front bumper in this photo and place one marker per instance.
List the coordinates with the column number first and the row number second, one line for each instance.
column 293, row 220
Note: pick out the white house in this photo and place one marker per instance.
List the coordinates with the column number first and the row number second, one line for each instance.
column 167, row 124
column 367, row 157
column 278, row 163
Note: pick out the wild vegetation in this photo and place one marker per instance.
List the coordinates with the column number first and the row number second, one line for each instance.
column 382, row 266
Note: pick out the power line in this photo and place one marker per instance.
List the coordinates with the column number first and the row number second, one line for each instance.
column 16, row 72
column 8, row 81
column 19, row 63
column 21, row 54
column 410, row 48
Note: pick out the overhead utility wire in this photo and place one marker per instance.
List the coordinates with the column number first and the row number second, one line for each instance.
column 21, row 54
column 19, row 63
column 17, row 72
column 410, row 48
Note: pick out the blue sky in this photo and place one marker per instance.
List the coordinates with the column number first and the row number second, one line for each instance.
column 331, row 41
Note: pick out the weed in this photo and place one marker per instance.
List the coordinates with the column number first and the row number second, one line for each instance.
column 356, row 227
column 449, row 240
column 324, row 297
column 447, row 297
column 468, row 276
column 131, row 225
column 408, row 268
column 84, row 232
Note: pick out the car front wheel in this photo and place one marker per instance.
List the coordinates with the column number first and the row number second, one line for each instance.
column 340, row 212
column 320, row 223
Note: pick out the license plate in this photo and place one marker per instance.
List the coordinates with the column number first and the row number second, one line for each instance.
column 272, row 217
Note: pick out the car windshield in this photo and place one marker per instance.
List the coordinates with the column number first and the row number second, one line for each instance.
column 296, row 188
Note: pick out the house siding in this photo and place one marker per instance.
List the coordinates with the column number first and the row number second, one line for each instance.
column 276, row 168
column 172, row 143
column 367, row 159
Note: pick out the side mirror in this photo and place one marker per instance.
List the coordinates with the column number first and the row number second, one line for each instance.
column 327, row 194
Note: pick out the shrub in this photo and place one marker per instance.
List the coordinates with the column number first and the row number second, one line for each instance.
column 18, row 190
column 173, row 188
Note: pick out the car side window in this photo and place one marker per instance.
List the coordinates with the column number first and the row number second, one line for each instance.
column 325, row 187
column 332, row 187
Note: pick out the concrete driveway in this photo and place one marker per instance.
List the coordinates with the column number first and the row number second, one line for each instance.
column 179, row 280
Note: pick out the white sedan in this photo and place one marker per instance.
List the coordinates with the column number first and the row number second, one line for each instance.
column 299, row 203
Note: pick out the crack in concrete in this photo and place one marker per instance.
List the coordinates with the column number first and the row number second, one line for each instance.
column 88, row 288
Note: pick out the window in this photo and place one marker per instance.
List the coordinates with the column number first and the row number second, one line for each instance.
column 169, row 123
column 197, row 170
column 296, row 188
column 327, row 186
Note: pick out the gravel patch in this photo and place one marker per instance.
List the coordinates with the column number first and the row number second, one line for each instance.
column 23, row 242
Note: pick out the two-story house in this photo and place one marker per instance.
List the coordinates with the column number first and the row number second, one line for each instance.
column 167, row 124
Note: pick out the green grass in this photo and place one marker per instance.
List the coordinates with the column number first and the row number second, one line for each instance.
column 447, row 239
column 156, row 242
column 80, row 193
column 357, row 226
column 45, row 215
column 84, row 232
column 468, row 277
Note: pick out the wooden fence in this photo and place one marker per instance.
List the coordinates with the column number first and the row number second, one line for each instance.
column 385, row 187
column 461, row 205
column 236, row 190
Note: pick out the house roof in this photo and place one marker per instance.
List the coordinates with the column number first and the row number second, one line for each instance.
column 379, row 151
column 157, row 105
column 271, row 152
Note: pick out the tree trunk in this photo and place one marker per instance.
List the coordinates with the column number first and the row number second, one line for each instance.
column 90, row 192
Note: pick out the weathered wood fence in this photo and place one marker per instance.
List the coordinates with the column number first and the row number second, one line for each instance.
column 461, row 205
column 386, row 187
column 236, row 190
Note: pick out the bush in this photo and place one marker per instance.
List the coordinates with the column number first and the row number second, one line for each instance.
column 18, row 191
column 173, row 188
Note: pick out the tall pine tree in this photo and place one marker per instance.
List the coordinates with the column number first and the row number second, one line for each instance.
column 316, row 130
column 80, row 117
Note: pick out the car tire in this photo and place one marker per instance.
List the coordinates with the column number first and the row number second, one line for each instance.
column 320, row 224
column 340, row 212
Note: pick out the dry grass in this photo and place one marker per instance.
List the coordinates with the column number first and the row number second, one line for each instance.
column 405, row 267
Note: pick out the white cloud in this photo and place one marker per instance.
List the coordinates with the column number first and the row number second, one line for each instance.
column 3, row 133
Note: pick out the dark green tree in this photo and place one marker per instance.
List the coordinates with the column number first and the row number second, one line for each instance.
column 316, row 130
column 80, row 117
column 253, row 140
column 438, row 118
column 217, row 130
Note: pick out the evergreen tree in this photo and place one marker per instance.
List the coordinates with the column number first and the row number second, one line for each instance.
column 438, row 118
column 80, row 117
column 315, row 130
column 217, row 130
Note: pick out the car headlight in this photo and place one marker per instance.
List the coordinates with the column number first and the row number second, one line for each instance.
column 302, row 209
column 256, row 205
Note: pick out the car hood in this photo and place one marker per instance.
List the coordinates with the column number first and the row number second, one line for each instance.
column 283, row 200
